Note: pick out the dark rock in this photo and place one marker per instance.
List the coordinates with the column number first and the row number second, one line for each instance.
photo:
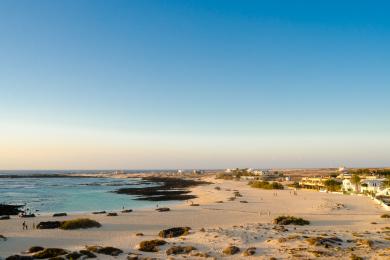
column 243, row 201
column 87, row 254
column 174, row 232
column 175, row 250
column 151, row 245
column 49, row 253
column 4, row 217
column 231, row 250
column 108, row 250
column 194, row 205
column 73, row 255
column 112, row 214
column 19, row 257
column 99, row 212
column 127, row 211
column 27, row 216
column 168, row 188
column 49, row 225
column 139, row 234
column 35, row 249
column 62, row 214
column 162, row 209
column 249, row 251
column 3, row 237
column 6, row 209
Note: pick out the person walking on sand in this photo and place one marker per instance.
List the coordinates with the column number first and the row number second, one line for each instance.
column 24, row 225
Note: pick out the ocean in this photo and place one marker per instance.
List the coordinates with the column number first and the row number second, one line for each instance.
column 49, row 195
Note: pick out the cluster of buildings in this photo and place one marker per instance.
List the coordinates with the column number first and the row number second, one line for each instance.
column 257, row 174
column 368, row 184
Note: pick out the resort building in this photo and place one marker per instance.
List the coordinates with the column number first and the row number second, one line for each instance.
column 313, row 182
column 371, row 185
column 349, row 187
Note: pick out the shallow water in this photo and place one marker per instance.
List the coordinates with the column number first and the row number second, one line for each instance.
column 44, row 195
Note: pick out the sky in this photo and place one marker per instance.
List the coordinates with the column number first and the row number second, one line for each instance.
column 194, row 84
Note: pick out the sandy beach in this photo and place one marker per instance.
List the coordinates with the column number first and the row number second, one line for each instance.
column 245, row 222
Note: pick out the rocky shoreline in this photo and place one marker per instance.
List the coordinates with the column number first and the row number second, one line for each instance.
column 167, row 189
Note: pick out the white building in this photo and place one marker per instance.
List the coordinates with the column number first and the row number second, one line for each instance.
column 343, row 169
column 348, row 186
column 371, row 185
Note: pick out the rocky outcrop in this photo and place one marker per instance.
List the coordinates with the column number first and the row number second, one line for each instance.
column 35, row 249
column 163, row 209
column 108, row 250
column 231, row 250
column 19, row 257
column 167, row 189
column 249, row 251
column 6, row 209
column 151, row 245
column 49, row 253
column 175, row 250
column 174, row 232
column 62, row 214
column 49, row 225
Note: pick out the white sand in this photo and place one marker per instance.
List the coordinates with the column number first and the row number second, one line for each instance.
column 231, row 222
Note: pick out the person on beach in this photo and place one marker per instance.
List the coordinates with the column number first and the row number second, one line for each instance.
column 24, row 225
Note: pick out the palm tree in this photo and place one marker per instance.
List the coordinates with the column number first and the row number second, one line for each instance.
column 355, row 179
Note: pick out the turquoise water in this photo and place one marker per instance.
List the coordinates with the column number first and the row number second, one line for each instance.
column 44, row 195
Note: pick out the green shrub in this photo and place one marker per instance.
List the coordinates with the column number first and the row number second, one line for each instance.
column 290, row 220
column 79, row 223
column 266, row 185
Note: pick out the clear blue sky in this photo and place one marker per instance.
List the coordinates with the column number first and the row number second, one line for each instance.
column 188, row 84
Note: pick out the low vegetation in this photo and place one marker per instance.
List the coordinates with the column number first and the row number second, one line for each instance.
column 290, row 220
column 385, row 216
column 332, row 185
column 266, row 185
column 79, row 223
